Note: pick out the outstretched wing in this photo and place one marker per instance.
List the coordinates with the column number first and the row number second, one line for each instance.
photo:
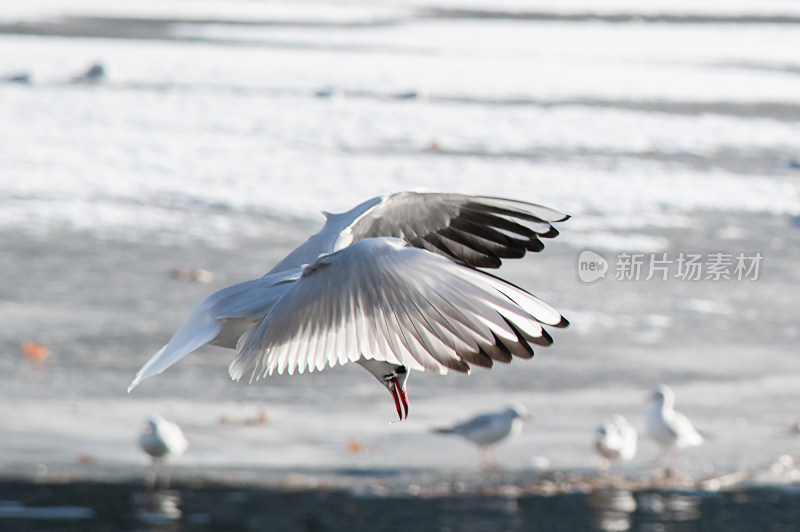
column 220, row 319
column 382, row 299
column 476, row 230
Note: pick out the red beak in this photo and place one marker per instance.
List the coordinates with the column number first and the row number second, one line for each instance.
column 400, row 398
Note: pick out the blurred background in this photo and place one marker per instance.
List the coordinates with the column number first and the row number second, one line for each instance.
column 154, row 152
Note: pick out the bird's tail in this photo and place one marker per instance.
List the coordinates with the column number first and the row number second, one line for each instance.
column 706, row 435
column 251, row 300
column 199, row 329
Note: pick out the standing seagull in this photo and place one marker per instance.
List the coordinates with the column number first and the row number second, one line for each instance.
column 163, row 440
column 94, row 75
column 670, row 429
column 486, row 430
column 392, row 285
column 615, row 441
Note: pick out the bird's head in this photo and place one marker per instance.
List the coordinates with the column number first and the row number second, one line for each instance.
column 518, row 411
column 662, row 395
column 151, row 424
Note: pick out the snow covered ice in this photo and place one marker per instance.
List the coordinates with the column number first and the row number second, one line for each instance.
column 212, row 120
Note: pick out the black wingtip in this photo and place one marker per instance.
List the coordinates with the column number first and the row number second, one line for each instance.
column 534, row 245
column 551, row 233
column 544, row 340
column 563, row 323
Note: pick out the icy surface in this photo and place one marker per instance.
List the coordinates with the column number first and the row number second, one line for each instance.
column 221, row 129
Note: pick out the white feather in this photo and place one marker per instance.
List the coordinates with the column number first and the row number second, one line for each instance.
column 353, row 292
column 668, row 427
column 250, row 300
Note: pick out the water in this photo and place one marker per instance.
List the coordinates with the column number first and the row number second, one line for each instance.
column 217, row 136
column 127, row 507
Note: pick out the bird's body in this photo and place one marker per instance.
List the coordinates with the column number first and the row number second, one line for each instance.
column 669, row 428
column 164, row 441
column 616, row 441
column 96, row 73
column 487, row 430
column 391, row 284
column 23, row 78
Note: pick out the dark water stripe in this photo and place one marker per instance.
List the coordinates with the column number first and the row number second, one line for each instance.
column 126, row 506
column 162, row 28
column 616, row 18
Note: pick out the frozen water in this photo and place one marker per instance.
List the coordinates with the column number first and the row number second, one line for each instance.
column 220, row 132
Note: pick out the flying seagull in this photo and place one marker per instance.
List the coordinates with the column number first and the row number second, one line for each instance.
column 393, row 284
column 163, row 440
column 669, row 428
column 487, row 430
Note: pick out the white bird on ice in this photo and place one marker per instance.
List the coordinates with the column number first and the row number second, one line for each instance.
column 670, row 429
column 392, row 285
column 487, row 430
column 615, row 441
column 163, row 440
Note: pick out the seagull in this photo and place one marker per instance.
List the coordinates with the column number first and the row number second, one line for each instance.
column 670, row 429
column 615, row 441
column 96, row 73
column 163, row 440
column 393, row 285
column 23, row 78
column 486, row 430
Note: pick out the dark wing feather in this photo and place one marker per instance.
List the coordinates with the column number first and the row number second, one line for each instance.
column 478, row 231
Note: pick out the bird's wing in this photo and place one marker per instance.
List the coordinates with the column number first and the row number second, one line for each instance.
column 249, row 301
column 478, row 425
column 684, row 429
column 382, row 299
column 175, row 438
column 484, row 429
column 476, row 230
